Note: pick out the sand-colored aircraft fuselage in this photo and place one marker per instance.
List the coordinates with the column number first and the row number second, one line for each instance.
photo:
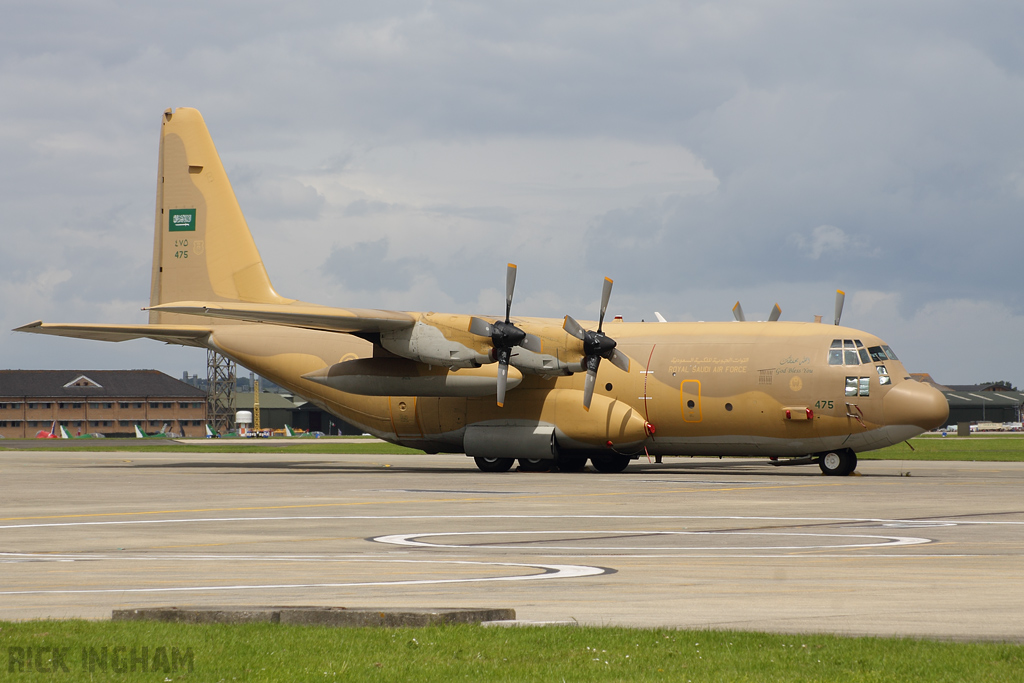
column 545, row 392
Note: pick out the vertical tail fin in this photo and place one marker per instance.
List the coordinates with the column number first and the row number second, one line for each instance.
column 202, row 250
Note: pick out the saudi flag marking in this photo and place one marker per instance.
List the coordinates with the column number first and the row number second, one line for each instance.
column 182, row 220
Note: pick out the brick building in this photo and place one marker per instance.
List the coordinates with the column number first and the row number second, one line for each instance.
column 108, row 402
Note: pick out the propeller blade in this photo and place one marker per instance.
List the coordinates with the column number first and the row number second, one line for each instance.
column 840, row 299
column 502, row 378
column 531, row 343
column 588, row 387
column 619, row 360
column 480, row 327
column 573, row 327
column 776, row 312
column 510, row 287
column 737, row 312
column 606, row 294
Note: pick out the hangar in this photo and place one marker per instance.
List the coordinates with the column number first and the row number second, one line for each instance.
column 988, row 402
column 107, row 402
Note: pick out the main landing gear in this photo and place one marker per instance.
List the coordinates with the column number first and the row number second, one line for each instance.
column 838, row 463
column 607, row 463
column 494, row 464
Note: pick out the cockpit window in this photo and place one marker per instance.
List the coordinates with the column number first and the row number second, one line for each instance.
column 888, row 352
column 850, row 352
column 877, row 354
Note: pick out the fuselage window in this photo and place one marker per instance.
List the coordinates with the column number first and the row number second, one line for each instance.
column 852, row 385
column 883, row 375
column 865, row 386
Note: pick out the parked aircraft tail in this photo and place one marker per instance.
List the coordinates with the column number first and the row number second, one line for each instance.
column 202, row 248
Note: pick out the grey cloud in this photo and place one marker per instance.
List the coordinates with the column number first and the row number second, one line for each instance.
column 366, row 207
column 364, row 266
column 275, row 196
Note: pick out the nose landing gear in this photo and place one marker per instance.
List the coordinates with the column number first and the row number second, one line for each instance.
column 838, row 463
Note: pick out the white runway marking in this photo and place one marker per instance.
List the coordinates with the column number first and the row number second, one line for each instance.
column 939, row 521
column 882, row 541
column 550, row 571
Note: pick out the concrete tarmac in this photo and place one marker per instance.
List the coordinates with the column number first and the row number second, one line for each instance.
column 702, row 543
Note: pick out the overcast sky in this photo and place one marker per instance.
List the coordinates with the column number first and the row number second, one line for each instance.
column 399, row 154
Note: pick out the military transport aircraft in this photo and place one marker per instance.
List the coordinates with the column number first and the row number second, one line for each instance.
column 506, row 388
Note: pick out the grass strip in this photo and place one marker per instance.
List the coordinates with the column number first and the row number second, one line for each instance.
column 89, row 650
column 972, row 448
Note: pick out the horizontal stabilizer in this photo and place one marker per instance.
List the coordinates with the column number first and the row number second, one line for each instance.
column 186, row 335
column 308, row 316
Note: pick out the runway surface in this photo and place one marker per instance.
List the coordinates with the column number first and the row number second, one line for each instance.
column 690, row 543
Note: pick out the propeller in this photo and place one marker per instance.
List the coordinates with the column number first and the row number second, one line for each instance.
column 840, row 299
column 737, row 312
column 596, row 345
column 504, row 335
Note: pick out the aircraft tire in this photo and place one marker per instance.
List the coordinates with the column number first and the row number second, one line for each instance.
column 610, row 464
column 571, row 463
column 838, row 463
column 535, row 464
column 494, row 464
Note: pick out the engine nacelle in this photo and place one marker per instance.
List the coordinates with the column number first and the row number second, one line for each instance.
column 546, row 364
column 426, row 343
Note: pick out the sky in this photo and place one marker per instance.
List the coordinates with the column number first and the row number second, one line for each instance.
column 398, row 154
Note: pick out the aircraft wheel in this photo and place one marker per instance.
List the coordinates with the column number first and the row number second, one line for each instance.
column 838, row 463
column 610, row 464
column 571, row 463
column 535, row 464
column 494, row 464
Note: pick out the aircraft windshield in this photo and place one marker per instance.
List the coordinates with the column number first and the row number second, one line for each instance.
column 853, row 352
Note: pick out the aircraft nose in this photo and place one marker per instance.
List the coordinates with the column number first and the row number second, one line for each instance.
column 914, row 403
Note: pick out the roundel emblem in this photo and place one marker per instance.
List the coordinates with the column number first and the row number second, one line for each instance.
column 347, row 357
column 796, row 384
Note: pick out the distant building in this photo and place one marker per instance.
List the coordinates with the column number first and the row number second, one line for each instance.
column 278, row 410
column 988, row 402
column 108, row 402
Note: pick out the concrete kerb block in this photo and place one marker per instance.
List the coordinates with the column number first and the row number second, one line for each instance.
column 315, row 616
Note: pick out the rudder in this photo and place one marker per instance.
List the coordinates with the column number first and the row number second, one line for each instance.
column 202, row 247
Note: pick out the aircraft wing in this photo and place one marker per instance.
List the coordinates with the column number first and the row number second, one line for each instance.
column 309, row 316
column 186, row 335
